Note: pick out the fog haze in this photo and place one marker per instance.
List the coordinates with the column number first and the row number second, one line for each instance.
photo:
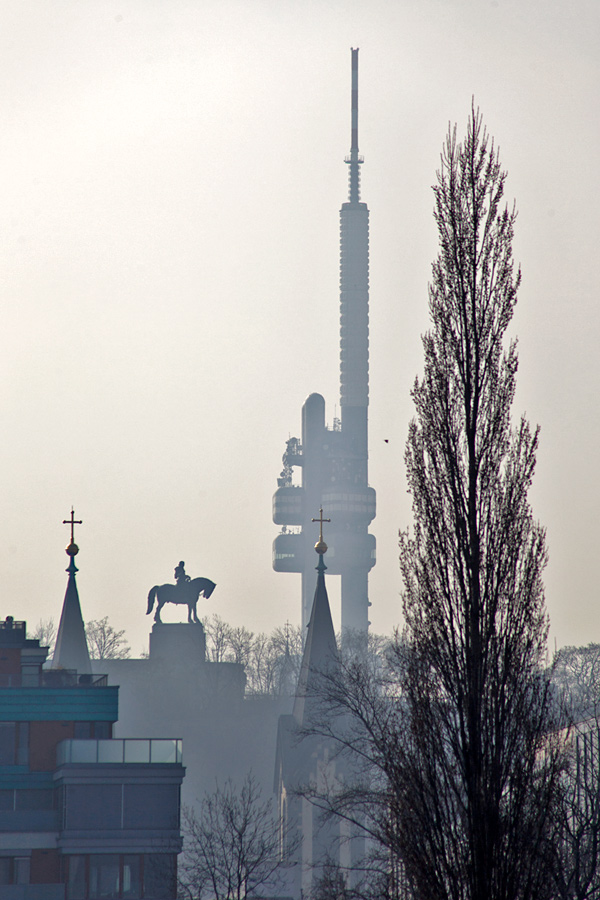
column 170, row 180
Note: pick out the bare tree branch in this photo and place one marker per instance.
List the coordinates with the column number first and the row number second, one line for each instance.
column 231, row 844
column 45, row 633
column 104, row 642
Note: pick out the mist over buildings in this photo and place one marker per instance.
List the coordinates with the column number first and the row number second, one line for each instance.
column 171, row 181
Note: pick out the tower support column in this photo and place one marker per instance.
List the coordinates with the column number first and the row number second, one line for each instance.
column 355, row 599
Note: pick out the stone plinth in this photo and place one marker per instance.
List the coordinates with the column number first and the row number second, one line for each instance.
column 182, row 642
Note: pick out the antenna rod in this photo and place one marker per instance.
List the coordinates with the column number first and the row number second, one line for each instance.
column 354, row 145
column 354, row 160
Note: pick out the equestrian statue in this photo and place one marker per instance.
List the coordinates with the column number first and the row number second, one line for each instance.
column 185, row 591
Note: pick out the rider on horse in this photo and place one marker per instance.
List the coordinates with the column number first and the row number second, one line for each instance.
column 185, row 592
column 180, row 577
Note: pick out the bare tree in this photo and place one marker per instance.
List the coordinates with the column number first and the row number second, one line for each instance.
column 45, row 633
column 577, row 845
column 370, row 654
column 231, row 845
column 272, row 661
column 576, row 674
column 261, row 666
column 331, row 885
column 479, row 773
column 240, row 644
column 286, row 646
column 104, row 642
column 217, row 632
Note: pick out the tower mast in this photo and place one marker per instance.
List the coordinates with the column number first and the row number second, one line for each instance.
column 354, row 159
column 334, row 461
column 354, row 381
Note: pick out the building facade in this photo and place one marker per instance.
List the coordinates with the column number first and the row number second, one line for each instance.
column 82, row 815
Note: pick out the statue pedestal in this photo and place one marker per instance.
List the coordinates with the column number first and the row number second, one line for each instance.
column 181, row 642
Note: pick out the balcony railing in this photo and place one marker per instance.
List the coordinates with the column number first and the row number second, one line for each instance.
column 120, row 750
column 53, row 678
column 12, row 632
column 33, row 892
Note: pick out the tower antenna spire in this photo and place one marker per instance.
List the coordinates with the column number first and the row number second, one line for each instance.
column 354, row 160
column 335, row 473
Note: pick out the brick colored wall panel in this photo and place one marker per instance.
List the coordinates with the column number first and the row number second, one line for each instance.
column 43, row 738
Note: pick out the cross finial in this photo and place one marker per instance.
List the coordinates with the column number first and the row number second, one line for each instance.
column 72, row 549
column 321, row 546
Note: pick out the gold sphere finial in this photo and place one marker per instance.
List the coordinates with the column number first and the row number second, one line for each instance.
column 72, row 549
column 321, row 546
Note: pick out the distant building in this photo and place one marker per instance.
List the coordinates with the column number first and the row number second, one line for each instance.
column 82, row 815
column 177, row 690
column 334, row 460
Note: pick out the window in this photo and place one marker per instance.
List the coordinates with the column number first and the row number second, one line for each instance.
column 100, row 731
column 93, row 807
column 105, row 881
column 82, row 730
column 6, row 870
column 34, row 799
column 22, row 743
column 21, row 867
column 107, row 876
column 151, row 806
column 7, row 801
column 76, row 880
column 14, row 870
column 14, row 743
column 132, row 883
column 160, row 876
column 30, row 675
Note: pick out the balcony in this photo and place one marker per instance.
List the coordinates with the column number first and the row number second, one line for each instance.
column 33, row 892
column 120, row 750
column 53, row 678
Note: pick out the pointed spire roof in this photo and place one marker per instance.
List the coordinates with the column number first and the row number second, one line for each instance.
column 320, row 651
column 71, row 650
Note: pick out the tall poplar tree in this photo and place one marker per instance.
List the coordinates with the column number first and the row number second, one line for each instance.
column 480, row 768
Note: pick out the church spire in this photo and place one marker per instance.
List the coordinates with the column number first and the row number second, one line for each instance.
column 320, row 650
column 71, row 650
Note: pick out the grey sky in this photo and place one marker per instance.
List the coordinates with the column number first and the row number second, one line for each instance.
column 170, row 179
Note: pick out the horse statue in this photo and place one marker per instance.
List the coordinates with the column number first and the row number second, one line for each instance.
column 186, row 593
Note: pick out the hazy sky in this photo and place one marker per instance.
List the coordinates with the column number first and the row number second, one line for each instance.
column 170, row 179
